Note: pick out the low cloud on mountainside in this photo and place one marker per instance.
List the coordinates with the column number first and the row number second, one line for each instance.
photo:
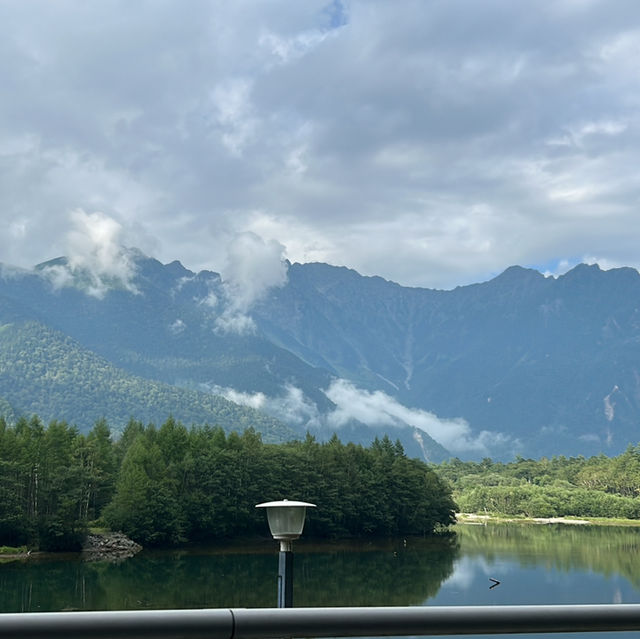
column 291, row 407
column 376, row 408
column 373, row 408
column 95, row 255
column 98, row 260
column 252, row 267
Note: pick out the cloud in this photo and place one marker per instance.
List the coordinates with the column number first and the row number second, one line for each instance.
column 232, row 104
column 431, row 143
column 291, row 406
column 210, row 300
column 375, row 409
column 177, row 327
column 468, row 570
column 232, row 321
column 96, row 259
column 253, row 266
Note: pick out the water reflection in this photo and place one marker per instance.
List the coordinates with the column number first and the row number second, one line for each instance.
column 535, row 564
column 391, row 573
column 606, row 550
column 544, row 564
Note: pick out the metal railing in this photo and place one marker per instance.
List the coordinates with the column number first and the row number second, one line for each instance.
column 265, row 623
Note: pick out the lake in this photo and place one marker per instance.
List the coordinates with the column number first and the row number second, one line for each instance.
column 535, row 564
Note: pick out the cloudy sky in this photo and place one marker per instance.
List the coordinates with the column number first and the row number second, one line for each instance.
column 432, row 142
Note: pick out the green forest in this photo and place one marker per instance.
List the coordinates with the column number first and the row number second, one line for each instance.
column 46, row 373
column 169, row 485
column 561, row 486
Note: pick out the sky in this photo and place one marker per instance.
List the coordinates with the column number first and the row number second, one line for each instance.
column 433, row 143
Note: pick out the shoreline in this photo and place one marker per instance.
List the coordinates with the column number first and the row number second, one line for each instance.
column 112, row 546
column 483, row 519
column 119, row 547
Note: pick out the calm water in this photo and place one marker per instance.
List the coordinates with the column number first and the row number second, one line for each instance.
column 535, row 565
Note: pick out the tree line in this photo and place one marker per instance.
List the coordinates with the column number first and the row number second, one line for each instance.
column 560, row 486
column 172, row 484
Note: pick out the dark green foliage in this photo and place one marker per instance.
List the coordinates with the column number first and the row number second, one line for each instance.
column 576, row 486
column 202, row 484
column 46, row 483
column 167, row 485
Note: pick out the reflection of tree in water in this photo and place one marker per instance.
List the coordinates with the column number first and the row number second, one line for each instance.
column 345, row 574
column 326, row 575
column 607, row 550
column 48, row 586
column 393, row 574
column 180, row 579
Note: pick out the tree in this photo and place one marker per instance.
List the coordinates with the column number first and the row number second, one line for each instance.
column 145, row 506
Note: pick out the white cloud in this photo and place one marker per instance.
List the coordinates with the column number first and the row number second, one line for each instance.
column 233, row 111
column 286, row 49
column 253, row 266
column 379, row 409
column 291, row 406
column 59, row 275
column 434, row 144
column 376, row 409
column 235, row 322
column 177, row 327
column 210, row 300
column 96, row 259
column 256, row 401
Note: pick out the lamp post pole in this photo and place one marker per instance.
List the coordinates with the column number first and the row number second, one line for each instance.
column 285, row 575
column 286, row 521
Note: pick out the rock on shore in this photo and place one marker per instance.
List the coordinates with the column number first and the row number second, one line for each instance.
column 112, row 546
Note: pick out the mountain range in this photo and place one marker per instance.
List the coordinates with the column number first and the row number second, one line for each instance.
column 524, row 364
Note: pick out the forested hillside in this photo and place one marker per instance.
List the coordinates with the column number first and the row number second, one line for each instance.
column 58, row 379
column 170, row 484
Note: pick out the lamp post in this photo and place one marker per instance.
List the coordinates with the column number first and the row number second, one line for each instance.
column 286, row 521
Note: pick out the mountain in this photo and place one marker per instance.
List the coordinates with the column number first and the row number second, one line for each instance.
column 521, row 364
column 551, row 364
column 108, row 354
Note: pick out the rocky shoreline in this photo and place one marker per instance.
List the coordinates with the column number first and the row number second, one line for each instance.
column 113, row 546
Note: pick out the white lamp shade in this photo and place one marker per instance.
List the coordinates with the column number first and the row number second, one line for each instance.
column 286, row 518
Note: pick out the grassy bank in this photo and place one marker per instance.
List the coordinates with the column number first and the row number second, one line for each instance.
column 13, row 550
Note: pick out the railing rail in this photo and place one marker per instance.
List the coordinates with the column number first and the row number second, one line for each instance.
column 265, row 623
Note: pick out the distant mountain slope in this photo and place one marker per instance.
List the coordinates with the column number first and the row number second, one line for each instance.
column 166, row 331
column 552, row 362
column 520, row 364
column 45, row 373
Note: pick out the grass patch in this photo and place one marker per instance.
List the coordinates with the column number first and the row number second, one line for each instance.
column 614, row 521
column 98, row 530
column 12, row 550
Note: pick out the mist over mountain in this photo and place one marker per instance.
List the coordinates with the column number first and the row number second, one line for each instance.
column 522, row 364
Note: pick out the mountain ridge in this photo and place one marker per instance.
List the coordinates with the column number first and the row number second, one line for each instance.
column 522, row 362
